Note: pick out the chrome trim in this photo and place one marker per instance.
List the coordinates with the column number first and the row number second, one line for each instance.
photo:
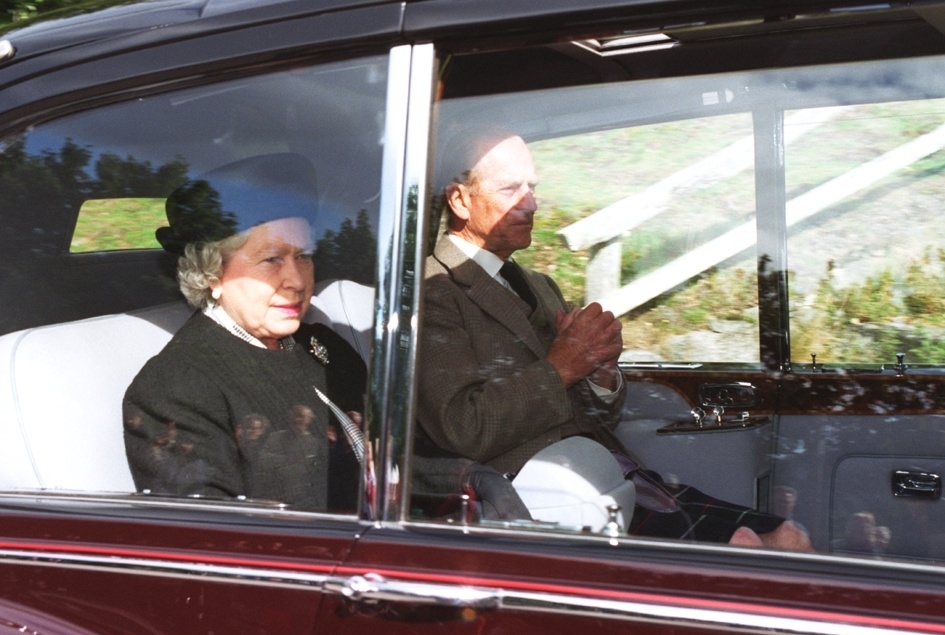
column 686, row 617
column 371, row 588
column 411, row 78
column 246, row 507
column 261, row 576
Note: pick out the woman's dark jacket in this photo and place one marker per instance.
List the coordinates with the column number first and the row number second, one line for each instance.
column 215, row 416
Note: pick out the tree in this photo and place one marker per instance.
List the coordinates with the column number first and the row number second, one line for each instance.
column 348, row 253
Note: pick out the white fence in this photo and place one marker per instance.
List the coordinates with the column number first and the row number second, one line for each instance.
column 601, row 232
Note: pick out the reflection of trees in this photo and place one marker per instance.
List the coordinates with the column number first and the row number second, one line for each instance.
column 119, row 177
column 348, row 253
column 41, row 193
column 195, row 215
column 40, row 196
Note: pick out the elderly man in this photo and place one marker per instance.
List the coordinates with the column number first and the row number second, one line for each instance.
column 508, row 368
column 505, row 373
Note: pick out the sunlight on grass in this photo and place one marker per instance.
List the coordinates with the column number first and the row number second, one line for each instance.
column 118, row 223
column 855, row 296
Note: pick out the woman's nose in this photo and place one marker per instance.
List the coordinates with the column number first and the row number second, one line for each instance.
column 293, row 274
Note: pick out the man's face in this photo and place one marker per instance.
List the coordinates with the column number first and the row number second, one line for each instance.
column 497, row 209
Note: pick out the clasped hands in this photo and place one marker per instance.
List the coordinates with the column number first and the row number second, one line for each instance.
column 588, row 344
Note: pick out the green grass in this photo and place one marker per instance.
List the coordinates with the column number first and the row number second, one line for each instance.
column 121, row 223
column 872, row 308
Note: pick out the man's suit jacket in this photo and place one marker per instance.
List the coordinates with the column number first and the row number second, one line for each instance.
column 486, row 391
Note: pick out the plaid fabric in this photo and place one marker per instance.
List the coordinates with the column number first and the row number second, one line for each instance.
column 698, row 516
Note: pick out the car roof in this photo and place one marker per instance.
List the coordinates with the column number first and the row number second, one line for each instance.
column 112, row 19
column 108, row 19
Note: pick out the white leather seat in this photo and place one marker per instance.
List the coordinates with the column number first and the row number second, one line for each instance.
column 347, row 307
column 61, row 388
column 572, row 482
column 60, row 408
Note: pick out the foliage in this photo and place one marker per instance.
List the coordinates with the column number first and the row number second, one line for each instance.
column 20, row 12
column 348, row 253
column 122, row 204
column 879, row 317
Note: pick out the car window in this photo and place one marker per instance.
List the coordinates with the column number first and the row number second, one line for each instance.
column 865, row 242
column 103, row 224
column 657, row 196
column 90, row 295
column 768, row 239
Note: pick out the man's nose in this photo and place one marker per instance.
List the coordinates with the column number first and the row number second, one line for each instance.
column 527, row 199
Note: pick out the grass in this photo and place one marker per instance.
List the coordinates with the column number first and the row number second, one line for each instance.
column 121, row 223
column 866, row 278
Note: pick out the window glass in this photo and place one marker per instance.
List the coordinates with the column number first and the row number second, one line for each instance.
column 735, row 223
column 661, row 193
column 82, row 204
column 58, row 177
column 866, row 251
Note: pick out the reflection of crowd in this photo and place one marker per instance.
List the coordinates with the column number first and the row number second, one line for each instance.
column 863, row 535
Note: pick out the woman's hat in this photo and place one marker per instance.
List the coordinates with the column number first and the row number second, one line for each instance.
column 238, row 196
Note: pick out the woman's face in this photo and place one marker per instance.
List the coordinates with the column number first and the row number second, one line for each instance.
column 266, row 284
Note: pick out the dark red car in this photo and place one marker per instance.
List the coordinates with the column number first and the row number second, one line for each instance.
column 753, row 186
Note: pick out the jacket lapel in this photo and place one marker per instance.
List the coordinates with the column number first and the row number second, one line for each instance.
column 489, row 294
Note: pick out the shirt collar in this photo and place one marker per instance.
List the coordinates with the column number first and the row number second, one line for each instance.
column 485, row 259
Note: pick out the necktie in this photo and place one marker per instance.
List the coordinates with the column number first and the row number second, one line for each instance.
column 516, row 278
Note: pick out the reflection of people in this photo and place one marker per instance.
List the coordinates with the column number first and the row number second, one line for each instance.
column 506, row 367
column 863, row 535
column 238, row 380
column 882, row 536
column 783, row 503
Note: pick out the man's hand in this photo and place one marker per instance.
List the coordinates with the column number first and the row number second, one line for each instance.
column 588, row 343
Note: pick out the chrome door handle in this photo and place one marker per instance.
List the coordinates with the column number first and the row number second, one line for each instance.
column 909, row 484
column 373, row 588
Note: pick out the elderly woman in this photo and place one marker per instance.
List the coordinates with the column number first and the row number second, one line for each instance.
column 231, row 406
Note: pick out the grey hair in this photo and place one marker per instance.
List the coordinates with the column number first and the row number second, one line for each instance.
column 202, row 264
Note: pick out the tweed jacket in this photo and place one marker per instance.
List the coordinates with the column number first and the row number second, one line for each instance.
column 486, row 391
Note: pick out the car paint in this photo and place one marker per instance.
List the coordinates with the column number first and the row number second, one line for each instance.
column 130, row 564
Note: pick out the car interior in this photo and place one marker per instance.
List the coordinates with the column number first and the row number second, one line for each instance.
column 738, row 425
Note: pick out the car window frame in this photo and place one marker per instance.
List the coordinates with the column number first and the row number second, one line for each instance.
column 149, row 74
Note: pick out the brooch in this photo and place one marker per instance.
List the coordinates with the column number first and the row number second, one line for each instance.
column 319, row 351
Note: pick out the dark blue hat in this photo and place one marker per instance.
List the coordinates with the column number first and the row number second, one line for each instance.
column 238, row 196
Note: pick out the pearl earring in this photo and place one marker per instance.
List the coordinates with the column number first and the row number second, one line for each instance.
column 216, row 293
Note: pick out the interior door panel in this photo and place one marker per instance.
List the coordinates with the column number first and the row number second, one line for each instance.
column 842, row 467
column 728, row 463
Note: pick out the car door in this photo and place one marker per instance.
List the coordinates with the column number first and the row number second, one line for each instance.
column 664, row 158
column 101, row 120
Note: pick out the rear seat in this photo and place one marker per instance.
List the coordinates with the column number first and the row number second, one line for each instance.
column 61, row 392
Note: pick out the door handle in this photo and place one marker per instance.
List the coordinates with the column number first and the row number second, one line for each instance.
column 910, row 484
column 373, row 588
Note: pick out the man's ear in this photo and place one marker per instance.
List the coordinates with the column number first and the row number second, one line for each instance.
column 457, row 197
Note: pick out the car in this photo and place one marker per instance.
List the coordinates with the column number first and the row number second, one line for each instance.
column 752, row 186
